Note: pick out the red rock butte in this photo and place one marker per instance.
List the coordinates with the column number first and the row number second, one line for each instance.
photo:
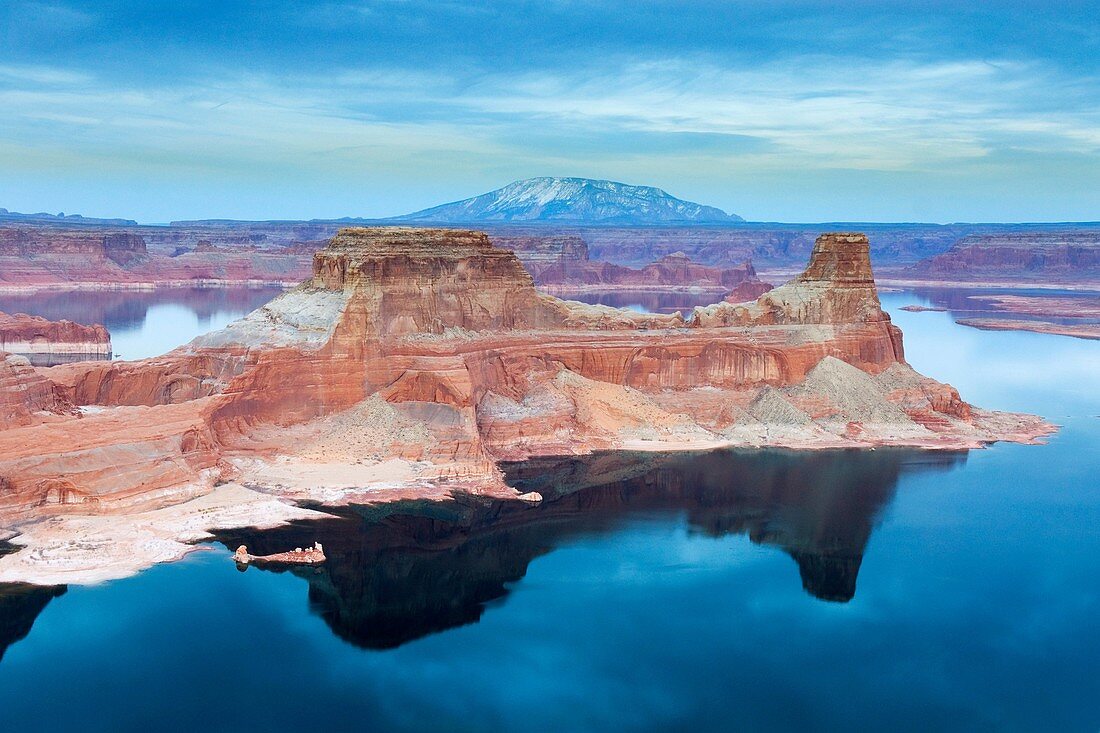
column 414, row 360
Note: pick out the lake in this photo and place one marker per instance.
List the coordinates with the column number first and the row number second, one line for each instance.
column 726, row 590
column 144, row 323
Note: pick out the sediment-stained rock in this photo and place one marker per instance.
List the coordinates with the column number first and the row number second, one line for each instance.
column 561, row 264
column 46, row 342
column 1071, row 256
column 35, row 256
column 415, row 360
column 25, row 395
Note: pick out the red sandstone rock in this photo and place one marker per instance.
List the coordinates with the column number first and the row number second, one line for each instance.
column 1068, row 255
column 298, row 556
column 748, row 290
column 464, row 363
column 62, row 340
column 563, row 261
column 24, row 394
column 92, row 256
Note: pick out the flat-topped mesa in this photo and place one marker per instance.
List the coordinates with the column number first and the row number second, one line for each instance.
column 403, row 280
column 47, row 342
column 414, row 360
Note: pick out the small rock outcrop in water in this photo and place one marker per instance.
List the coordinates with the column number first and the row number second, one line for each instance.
column 298, row 556
column 413, row 361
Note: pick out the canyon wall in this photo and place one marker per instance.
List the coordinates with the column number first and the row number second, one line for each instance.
column 25, row 396
column 556, row 261
column 88, row 256
column 46, row 343
column 412, row 361
column 1061, row 256
column 86, row 253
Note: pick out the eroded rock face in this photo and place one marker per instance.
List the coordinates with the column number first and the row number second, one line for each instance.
column 562, row 261
column 33, row 255
column 1069, row 255
column 25, row 394
column 413, row 281
column 47, row 342
column 412, row 361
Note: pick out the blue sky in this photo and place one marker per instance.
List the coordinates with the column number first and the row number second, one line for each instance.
column 778, row 111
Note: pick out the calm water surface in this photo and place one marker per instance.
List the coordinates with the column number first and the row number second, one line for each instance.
column 730, row 590
column 145, row 323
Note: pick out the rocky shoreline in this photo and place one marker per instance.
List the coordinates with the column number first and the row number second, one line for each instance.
column 412, row 363
column 45, row 343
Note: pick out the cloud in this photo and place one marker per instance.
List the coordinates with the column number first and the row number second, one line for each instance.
column 712, row 99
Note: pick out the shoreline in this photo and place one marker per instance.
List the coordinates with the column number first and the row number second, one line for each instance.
column 67, row 547
column 145, row 286
column 579, row 289
column 886, row 281
column 1089, row 332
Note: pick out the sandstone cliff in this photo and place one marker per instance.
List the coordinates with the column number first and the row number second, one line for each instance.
column 1068, row 256
column 25, row 396
column 87, row 256
column 46, row 343
column 557, row 261
column 414, row 360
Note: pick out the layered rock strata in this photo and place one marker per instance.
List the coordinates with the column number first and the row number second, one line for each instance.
column 25, row 397
column 34, row 256
column 1071, row 256
column 561, row 264
column 414, row 360
column 46, row 342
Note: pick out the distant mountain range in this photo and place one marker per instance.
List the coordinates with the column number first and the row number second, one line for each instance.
column 580, row 200
column 41, row 217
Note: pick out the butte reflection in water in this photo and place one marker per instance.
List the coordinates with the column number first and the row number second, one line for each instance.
column 397, row 572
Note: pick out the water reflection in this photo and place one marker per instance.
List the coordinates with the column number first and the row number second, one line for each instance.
column 973, row 303
column 143, row 323
column 20, row 605
column 122, row 310
column 400, row 572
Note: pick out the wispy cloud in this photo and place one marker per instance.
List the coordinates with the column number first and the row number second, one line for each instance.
column 407, row 100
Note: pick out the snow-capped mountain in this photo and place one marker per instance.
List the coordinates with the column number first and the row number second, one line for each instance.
column 574, row 200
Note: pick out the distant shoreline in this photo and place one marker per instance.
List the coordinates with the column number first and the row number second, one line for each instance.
column 212, row 284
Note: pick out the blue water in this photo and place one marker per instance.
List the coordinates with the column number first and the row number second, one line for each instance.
column 731, row 590
column 144, row 323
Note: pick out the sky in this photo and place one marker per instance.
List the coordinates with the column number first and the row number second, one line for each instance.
column 776, row 110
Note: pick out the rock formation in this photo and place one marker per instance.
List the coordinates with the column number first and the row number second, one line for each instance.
column 25, row 395
column 1090, row 331
column 33, row 255
column 46, row 343
column 413, row 361
column 1076, row 315
column 1046, row 256
column 561, row 264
